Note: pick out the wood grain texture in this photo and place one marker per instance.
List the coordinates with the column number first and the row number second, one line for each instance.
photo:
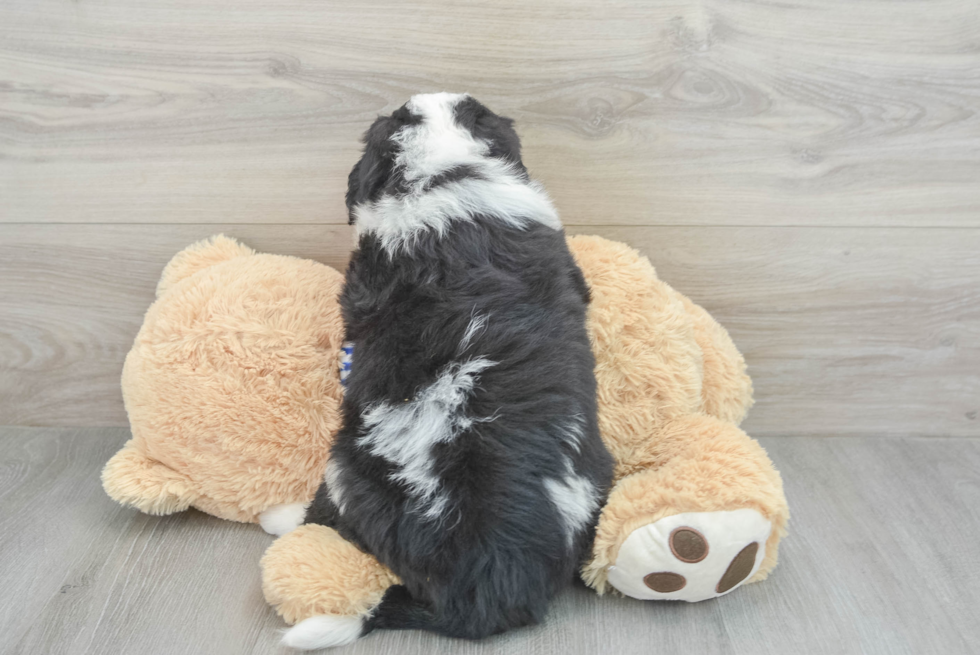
column 716, row 112
column 84, row 575
column 881, row 560
column 72, row 299
column 845, row 331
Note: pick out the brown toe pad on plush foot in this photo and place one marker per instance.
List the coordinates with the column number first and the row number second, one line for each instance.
column 665, row 582
column 688, row 545
column 739, row 569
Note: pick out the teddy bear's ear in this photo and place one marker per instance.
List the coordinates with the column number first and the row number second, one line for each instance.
column 199, row 256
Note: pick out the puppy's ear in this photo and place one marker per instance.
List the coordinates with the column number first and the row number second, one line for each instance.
column 497, row 131
column 353, row 189
column 373, row 170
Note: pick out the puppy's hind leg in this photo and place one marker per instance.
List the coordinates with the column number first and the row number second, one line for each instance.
column 281, row 519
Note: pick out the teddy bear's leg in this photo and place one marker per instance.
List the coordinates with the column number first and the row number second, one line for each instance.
column 726, row 389
column 704, row 515
column 314, row 575
column 133, row 479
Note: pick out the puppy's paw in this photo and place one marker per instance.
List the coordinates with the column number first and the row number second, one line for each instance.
column 693, row 556
column 280, row 519
column 323, row 631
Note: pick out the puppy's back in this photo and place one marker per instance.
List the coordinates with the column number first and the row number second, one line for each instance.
column 470, row 460
column 495, row 456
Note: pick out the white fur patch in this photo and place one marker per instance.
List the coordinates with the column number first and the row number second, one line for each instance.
column 398, row 221
column 437, row 145
column 574, row 430
column 477, row 324
column 280, row 519
column 405, row 433
column 323, row 631
column 335, row 488
column 576, row 500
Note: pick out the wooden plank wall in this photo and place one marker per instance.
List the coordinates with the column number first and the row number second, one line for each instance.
column 808, row 170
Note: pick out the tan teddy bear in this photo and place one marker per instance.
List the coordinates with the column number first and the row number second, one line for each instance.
column 233, row 393
column 231, row 386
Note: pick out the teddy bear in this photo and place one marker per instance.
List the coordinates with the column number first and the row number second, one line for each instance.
column 233, row 391
column 231, row 386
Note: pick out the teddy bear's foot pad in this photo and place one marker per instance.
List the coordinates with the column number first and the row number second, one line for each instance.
column 692, row 556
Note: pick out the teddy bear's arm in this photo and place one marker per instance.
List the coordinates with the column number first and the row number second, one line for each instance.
column 133, row 479
column 726, row 389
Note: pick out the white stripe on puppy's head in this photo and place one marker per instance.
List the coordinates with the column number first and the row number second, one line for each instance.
column 441, row 157
column 437, row 144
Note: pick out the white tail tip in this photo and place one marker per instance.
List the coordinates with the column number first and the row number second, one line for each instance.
column 323, row 632
column 280, row 519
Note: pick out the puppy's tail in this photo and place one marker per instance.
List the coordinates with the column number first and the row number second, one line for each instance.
column 397, row 611
column 462, row 618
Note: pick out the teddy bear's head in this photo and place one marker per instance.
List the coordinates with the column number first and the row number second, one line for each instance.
column 231, row 386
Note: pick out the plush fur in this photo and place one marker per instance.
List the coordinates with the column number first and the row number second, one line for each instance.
column 672, row 389
column 232, row 408
column 470, row 460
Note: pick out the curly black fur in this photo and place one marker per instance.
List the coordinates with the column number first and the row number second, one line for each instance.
column 489, row 545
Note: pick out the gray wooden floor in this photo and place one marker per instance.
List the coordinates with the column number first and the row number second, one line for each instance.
column 883, row 558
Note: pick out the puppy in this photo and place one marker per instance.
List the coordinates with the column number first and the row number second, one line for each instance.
column 469, row 461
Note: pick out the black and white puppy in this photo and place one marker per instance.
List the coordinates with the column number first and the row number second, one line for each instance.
column 469, row 461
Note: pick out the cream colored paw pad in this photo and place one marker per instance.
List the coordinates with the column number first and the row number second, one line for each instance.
column 693, row 556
